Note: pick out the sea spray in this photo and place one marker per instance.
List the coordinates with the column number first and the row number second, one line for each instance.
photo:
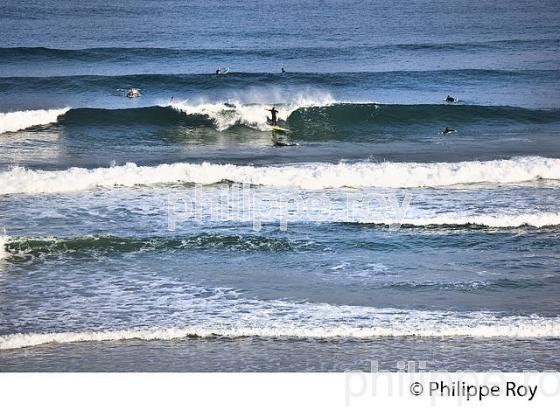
column 233, row 112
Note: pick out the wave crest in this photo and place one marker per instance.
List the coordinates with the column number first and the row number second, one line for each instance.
column 314, row 115
column 20, row 120
column 536, row 220
column 229, row 114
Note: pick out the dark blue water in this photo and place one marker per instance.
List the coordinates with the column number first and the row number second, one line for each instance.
column 179, row 221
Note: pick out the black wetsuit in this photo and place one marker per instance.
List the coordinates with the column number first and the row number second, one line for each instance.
column 278, row 143
column 273, row 119
column 447, row 130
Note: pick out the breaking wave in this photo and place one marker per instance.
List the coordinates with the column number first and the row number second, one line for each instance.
column 321, row 321
column 305, row 176
column 314, row 116
column 19, row 120
column 226, row 115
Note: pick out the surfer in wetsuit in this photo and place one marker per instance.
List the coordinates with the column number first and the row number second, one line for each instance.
column 280, row 142
column 447, row 130
column 450, row 99
column 273, row 118
column 218, row 71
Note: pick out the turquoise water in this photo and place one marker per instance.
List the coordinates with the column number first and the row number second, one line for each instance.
column 130, row 223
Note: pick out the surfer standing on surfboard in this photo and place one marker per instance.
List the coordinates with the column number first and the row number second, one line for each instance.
column 273, row 119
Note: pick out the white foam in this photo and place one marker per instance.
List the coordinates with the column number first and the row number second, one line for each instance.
column 19, row 120
column 304, row 176
column 225, row 312
column 537, row 220
column 528, row 328
column 226, row 115
column 3, row 242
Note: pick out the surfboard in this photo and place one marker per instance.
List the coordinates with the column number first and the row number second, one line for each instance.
column 277, row 128
column 284, row 144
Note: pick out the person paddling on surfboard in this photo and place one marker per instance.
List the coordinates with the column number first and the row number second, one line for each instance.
column 273, row 118
column 280, row 142
column 447, row 130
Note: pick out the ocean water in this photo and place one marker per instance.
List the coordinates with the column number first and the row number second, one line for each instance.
column 168, row 232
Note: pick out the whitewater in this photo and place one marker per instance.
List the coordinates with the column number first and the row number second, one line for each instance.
column 234, row 112
column 305, row 176
column 20, row 120
column 322, row 322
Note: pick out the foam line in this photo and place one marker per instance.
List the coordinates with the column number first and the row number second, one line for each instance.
column 305, row 176
column 520, row 328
